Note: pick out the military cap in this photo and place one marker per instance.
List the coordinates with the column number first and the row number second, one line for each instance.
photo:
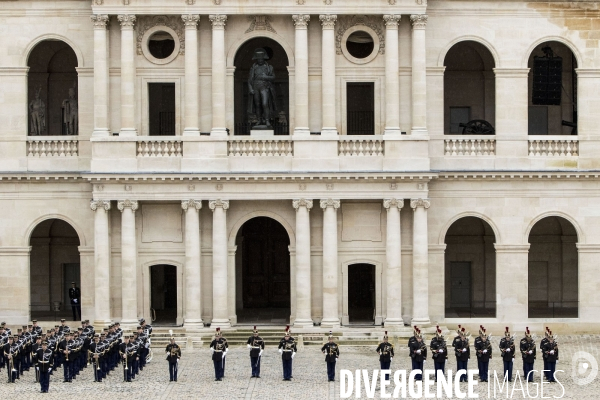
column 24, row 326
column 130, row 336
column 34, row 321
column 44, row 342
column 49, row 331
column 19, row 330
column 57, row 326
column 139, row 327
column 15, row 336
column 30, row 326
column 72, row 283
column 62, row 320
column 80, row 329
column 3, row 323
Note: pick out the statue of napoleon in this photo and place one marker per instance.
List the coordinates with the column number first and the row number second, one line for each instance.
column 260, row 84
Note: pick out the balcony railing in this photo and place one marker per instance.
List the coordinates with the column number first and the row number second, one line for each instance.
column 160, row 148
column 470, row 145
column 553, row 146
column 356, row 146
column 237, row 147
column 53, row 146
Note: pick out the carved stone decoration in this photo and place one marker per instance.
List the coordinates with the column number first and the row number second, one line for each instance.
column 421, row 2
column 301, row 20
column 212, row 204
column 414, row 203
column 99, row 2
column 328, row 21
column 398, row 203
column 217, row 2
column 218, row 21
column 128, row 188
column 185, row 204
column 219, row 186
column 96, row 204
column 329, row 186
column 127, row 20
column 392, row 2
column 302, row 203
column 191, row 188
column 347, row 22
column 330, row 203
column 171, row 21
column 260, row 23
column 300, row 2
column 100, row 21
column 99, row 188
column 123, row 204
column 327, row 2
column 190, row 2
column 391, row 20
column 190, row 20
column 302, row 186
column 125, row 2
column 393, row 186
column 419, row 21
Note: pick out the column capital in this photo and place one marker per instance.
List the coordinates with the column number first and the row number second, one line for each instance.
column 414, row 203
column 391, row 203
column 127, row 20
column 218, row 21
column 419, row 21
column 302, row 203
column 301, row 20
column 335, row 203
column 100, row 20
column 224, row 204
column 123, row 204
column 98, row 204
column 197, row 204
column 328, row 20
column 391, row 21
column 190, row 20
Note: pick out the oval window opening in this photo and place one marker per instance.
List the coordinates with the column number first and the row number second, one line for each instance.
column 360, row 44
column 161, row 45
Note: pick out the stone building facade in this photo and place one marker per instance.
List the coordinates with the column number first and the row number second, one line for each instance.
column 429, row 162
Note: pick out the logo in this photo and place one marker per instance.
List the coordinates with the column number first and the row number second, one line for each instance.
column 584, row 368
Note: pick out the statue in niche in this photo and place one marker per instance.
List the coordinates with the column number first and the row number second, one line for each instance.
column 261, row 89
column 37, row 114
column 70, row 112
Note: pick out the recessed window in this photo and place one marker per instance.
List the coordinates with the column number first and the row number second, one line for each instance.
column 360, row 44
column 161, row 45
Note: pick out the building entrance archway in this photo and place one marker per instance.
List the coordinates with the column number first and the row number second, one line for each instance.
column 262, row 272
column 361, row 293
column 163, row 294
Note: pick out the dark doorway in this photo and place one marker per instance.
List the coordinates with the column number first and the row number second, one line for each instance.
column 361, row 293
column 460, row 276
column 360, row 108
column 163, row 294
column 264, row 258
column 242, row 107
column 54, row 264
column 161, row 109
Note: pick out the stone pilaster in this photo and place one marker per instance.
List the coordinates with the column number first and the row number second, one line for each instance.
column 191, row 110
column 419, row 75
column 392, row 80
column 192, row 275
column 393, row 257
column 328, row 76
column 128, row 118
column 218, row 75
column 129, row 309
column 420, row 262
column 100, row 75
column 303, row 281
column 220, row 312
column 101, row 262
column 301, row 75
column 330, row 263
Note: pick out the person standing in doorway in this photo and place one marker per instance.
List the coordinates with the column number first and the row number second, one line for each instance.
column 75, row 296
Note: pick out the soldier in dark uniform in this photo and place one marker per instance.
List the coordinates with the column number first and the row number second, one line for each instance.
column 124, row 358
column 44, row 364
column 332, row 353
column 418, row 352
column 63, row 328
column 439, row 352
column 544, row 356
column 287, row 349
column 65, row 347
column 3, row 342
column 218, row 349
column 507, row 350
column 483, row 349
column 386, row 354
column 34, row 350
column 95, row 352
column 173, row 355
column 11, row 354
column 256, row 345
column 75, row 296
column 527, row 347
column 26, row 339
column 551, row 351
column 462, row 352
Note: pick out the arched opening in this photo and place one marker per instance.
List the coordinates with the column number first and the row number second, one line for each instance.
column 470, row 269
column 262, row 264
column 552, row 90
column 361, row 294
column 163, row 294
column 553, row 269
column 244, row 112
column 53, row 264
column 52, row 90
column 469, row 90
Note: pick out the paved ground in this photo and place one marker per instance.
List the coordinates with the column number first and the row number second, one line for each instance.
column 196, row 379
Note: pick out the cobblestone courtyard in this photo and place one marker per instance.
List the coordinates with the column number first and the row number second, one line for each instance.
column 196, row 377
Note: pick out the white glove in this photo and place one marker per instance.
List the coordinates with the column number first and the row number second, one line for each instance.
column 507, row 350
column 551, row 351
column 485, row 351
column 464, row 350
column 391, row 358
column 530, row 352
column 37, row 368
column 280, row 351
column 293, row 354
column 249, row 346
column 177, row 361
column 49, row 369
column 212, row 351
column 440, row 350
column 224, row 353
column 419, row 351
column 260, row 353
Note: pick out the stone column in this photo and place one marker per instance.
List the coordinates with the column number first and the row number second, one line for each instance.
column 512, row 292
column 100, row 75
column 301, row 79
column 128, row 120
column 392, row 80
column 589, row 295
column 191, row 126
column 101, row 262
column 330, row 264
column 328, row 76
column 220, row 312
column 588, row 119
column 512, row 114
column 218, row 75
column 419, row 75
column 420, row 262
column 393, row 256
column 303, row 283
column 128, row 262
column 192, row 278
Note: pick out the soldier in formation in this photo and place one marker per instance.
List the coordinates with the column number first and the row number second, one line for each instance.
column 507, row 350
column 418, row 352
column 550, row 350
column 483, row 349
column 528, row 352
column 386, row 354
column 439, row 352
column 256, row 345
column 44, row 363
column 462, row 351
column 287, row 349
column 332, row 353
column 218, row 350
column 173, row 352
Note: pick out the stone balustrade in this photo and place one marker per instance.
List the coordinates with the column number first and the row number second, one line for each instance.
column 53, row 146
column 469, row 145
column 159, row 148
column 359, row 146
column 253, row 147
column 553, row 146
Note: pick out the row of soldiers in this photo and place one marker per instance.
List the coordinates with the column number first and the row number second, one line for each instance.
column 73, row 349
column 484, row 350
